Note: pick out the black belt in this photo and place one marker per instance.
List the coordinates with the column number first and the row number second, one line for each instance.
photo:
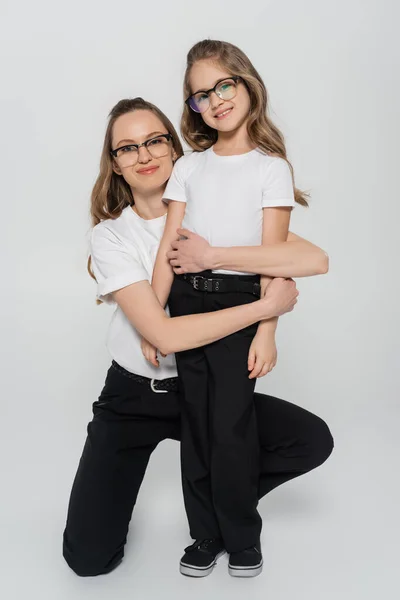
column 156, row 385
column 229, row 283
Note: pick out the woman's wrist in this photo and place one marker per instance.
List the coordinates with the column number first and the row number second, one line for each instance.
column 214, row 258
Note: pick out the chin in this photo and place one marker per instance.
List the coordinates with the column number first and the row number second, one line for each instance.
column 228, row 127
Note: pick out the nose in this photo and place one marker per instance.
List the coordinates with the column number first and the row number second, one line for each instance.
column 144, row 155
column 215, row 100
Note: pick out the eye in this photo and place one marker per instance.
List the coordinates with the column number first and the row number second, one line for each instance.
column 155, row 142
column 127, row 149
column 225, row 86
column 201, row 98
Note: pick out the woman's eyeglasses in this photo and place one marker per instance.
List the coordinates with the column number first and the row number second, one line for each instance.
column 225, row 89
column 157, row 147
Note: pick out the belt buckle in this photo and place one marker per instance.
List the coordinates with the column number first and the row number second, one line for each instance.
column 196, row 279
column 154, row 389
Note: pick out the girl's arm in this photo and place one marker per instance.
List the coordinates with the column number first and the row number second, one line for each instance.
column 143, row 310
column 163, row 274
column 275, row 229
column 277, row 202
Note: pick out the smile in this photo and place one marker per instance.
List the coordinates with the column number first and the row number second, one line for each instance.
column 148, row 171
column 223, row 114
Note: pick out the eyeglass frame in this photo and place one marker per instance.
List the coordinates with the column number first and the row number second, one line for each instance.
column 235, row 78
column 168, row 137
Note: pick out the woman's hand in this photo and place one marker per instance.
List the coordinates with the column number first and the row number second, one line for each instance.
column 280, row 296
column 189, row 254
column 263, row 353
column 149, row 352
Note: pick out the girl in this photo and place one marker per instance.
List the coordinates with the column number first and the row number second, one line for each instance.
column 235, row 190
column 138, row 406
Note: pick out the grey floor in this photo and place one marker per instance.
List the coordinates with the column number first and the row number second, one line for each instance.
column 330, row 535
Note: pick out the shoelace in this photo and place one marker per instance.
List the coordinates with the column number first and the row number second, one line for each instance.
column 201, row 545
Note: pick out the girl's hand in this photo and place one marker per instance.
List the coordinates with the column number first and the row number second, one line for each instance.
column 149, row 352
column 263, row 353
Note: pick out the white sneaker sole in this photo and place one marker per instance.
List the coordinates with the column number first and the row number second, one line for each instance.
column 192, row 571
column 245, row 571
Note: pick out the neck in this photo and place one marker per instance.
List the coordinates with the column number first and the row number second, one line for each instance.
column 234, row 142
column 149, row 206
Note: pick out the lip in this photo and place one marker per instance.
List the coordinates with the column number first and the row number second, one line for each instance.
column 220, row 112
column 147, row 170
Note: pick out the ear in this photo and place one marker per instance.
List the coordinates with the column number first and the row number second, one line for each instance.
column 174, row 156
column 116, row 168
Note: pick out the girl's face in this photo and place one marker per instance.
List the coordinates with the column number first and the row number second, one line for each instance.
column 223, row 115
column 145, row 169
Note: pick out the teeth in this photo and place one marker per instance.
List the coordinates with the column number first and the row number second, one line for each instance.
column 224, row 113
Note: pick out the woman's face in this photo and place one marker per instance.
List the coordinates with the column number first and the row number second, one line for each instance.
column 223, row 115
column 144, row 173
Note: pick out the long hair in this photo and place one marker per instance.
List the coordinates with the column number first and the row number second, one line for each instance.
column 261, row 130
column 111, row 193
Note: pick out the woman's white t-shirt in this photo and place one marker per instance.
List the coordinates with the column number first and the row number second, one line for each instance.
column 123, row 252
column 225, row 195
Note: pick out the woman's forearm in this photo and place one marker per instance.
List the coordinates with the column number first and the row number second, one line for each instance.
column 193, row 331
column 294, row 258
column 142, row 308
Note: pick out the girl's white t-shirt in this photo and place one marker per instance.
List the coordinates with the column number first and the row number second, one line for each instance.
column 225, row 195
column 123, row 252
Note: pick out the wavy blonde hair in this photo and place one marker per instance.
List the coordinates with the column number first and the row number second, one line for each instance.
column 111, row 193
column 261, row 129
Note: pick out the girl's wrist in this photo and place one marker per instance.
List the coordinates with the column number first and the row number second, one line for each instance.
column 264, row 308
column 268, row 325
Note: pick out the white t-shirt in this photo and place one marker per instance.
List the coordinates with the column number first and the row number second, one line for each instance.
column 123, row 252
column 225, row 195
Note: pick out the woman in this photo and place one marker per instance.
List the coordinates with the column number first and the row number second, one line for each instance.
column 139, row 404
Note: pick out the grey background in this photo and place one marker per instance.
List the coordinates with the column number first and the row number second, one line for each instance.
column 332, row 70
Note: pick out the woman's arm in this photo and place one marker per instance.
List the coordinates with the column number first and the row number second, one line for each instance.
column 163, row 274
column 140, row 305
column 296, row 257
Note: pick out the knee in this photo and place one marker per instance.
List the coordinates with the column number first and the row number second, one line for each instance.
column 88, row 562
column 322, row 442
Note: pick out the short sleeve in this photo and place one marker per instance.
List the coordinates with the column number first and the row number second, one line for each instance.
column 176, row 189
column 277, row 185
column 114, row 265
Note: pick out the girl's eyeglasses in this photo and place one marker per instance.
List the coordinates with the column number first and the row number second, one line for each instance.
column 225, row 89
column 157, row 147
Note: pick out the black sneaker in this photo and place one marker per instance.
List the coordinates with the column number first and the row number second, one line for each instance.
column 201, row 557
column 246, row 563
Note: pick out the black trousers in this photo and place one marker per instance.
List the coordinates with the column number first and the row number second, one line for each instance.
column 220, row 452
column 129, row 421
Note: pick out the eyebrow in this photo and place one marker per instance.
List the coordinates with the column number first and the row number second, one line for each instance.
column 148, row 136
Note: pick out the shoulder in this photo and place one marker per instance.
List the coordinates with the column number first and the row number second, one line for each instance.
column 111, row 232
column 188, row 162
column 268, row 161
column 273, row 166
